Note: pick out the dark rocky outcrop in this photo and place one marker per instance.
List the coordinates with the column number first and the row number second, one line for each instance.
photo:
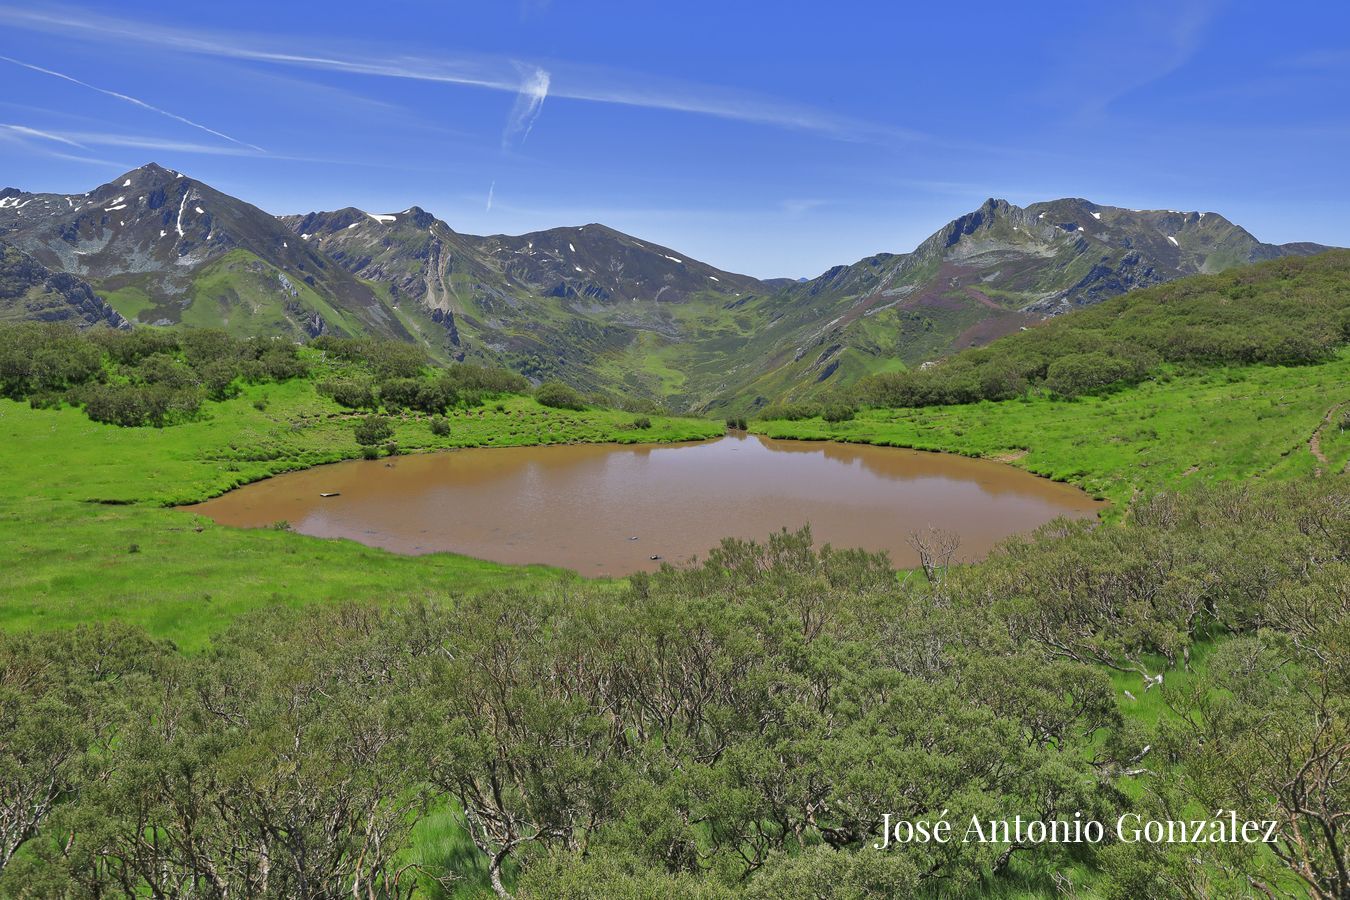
column 30, row 291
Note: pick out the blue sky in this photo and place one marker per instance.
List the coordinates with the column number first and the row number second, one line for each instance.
column 772, row 139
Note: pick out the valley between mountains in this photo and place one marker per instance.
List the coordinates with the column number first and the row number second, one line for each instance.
column 619, row 317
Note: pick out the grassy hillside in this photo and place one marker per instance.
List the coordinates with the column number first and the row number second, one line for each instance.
column 617, row 316
column 86, row 535
column 613, row 315
column 1235, row 376
column 1225, row 424
column 88, row 493
column 739, row 729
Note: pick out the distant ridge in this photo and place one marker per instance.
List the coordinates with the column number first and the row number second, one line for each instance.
column 611, row 313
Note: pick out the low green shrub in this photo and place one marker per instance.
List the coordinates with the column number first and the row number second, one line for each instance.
column 557, row 395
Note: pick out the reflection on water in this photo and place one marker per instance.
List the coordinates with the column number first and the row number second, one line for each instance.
column 604, row 509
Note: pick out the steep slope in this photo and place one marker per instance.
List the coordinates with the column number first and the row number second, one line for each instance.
column 986, row 274
column 612, row 314
column 607, row 266
column 164, row 248
column 29, row 291
column 588, row 304
column 618, row 315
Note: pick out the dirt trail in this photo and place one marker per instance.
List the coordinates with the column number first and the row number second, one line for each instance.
column 1315, row 441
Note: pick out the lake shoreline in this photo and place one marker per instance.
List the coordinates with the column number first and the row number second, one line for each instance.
column 524, row 505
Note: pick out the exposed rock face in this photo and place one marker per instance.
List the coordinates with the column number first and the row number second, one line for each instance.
column 446, row 319
column 551, row 303
column 608, row 266
column 994, row 270
column 179, row 250
column 311, row 323
column 419, row 255
column 604, row 310
column 29, row 291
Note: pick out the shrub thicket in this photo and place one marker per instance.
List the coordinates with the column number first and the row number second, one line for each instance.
column 373, row 430
column 559, row 396
column 157, row 377
column 736, row 728
column 792, row 411
column 353, row 393
column 141, row 377
column 387, row 359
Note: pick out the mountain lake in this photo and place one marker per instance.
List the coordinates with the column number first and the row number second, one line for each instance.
column 610, row 509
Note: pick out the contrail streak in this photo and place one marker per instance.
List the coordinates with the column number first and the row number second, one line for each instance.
column 132, row 100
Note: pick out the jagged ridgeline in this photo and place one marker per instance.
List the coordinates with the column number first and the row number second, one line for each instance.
column 1286, row 312
column 608, row 313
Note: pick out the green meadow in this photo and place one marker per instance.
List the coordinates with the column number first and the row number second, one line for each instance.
column 87, row 532
column 90, row 533
column 728, row 730
column 1221, row 424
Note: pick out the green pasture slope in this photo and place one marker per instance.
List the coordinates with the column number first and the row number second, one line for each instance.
column 88, row 532
column 1242, row 375
column 1220, row 424
column 86, row 535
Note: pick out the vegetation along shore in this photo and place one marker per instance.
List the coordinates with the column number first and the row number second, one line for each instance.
column 190, row 709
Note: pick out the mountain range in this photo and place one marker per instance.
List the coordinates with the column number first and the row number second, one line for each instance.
column 613, row 314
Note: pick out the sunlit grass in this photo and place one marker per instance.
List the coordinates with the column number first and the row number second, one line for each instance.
column 85, row 535
column 1222, row 424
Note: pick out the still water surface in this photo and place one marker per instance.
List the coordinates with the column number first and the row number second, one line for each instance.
column 581, row 506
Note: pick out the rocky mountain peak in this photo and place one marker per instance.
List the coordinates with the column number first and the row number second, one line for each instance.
column 164, row 248
column 418, row 216
column 326, row 222
column 146, row 178
column 990, row 212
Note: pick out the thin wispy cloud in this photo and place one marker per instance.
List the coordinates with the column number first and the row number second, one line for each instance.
column 492, row 187
column 529, row 103
column 126, row 98
column 25, row 131
column 40, row 142
column 571, row 82
column 86, row 140
column 166, row 145
column 1148, row 42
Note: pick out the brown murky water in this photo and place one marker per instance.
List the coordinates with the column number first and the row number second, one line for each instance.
column 580, row 506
